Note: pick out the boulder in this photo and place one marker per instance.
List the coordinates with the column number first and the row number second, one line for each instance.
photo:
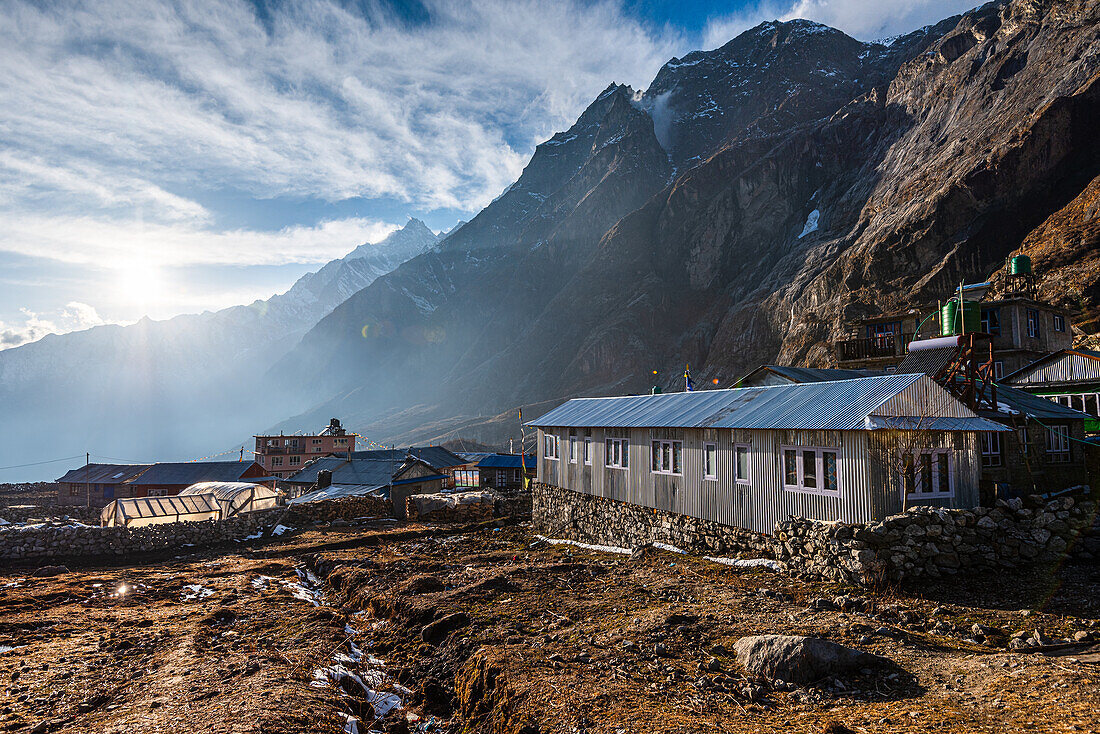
column 799, row 660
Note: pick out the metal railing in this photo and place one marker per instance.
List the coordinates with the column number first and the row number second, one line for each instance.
column 875, row 347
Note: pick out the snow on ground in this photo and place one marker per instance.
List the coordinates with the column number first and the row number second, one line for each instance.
column 193, row 592
column 748, row 563
column 586, row 546
column 811, row 223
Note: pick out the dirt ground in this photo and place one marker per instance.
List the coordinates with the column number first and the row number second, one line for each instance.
column 435, row 629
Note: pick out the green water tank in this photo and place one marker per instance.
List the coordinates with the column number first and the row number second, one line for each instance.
column 952, row 324
column 1020, row 265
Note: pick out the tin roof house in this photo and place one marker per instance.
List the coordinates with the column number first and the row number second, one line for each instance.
column 855, row 450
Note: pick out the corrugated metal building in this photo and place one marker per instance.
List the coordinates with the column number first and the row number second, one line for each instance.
column 750, row 457
column 1070, row 377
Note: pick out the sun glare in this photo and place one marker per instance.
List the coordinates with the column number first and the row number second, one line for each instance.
column 140, row 284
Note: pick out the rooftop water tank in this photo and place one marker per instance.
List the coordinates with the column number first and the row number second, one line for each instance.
column 1020, row 265
column 952, row 323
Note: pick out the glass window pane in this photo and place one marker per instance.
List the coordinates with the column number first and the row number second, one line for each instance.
column 666, row 456
column 608, row 452
column 1090, row 404
column 790, row 468
column 711, row 459
column 624, row 452
column 742, row 463
column 926, row 473
column 1077, row 402
column 656, row 451
column 677, row 451
column 829, row 467
column 809, row 469
column 943, row 478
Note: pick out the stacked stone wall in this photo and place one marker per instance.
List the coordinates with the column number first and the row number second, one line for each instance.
column 924, row 542
column 463, row 507
column 23, row 513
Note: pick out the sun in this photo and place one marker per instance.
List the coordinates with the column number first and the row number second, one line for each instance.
column 140, row 284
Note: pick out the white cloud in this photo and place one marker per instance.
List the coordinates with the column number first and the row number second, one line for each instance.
column 75, row 316
column 858, row 18
column 321, row 102
column 113, row 243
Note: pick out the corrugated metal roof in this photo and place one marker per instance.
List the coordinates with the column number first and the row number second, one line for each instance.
column 190, row 472
column 913, row 423
column 841, row 405
column 506, row 461
column 1060, row 368
column 104, row 473
column 808, row 374
column 359, row 471
column 436, row 457
column 1014, row 401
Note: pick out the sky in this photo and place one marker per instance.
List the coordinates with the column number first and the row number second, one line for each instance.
column 159, row 158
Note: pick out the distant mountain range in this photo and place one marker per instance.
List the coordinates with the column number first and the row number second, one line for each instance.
column 735, row 212
column 178, row 388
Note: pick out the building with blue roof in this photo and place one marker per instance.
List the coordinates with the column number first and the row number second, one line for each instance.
column 854, row 450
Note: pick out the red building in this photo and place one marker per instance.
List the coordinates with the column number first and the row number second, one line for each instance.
column 281, row 456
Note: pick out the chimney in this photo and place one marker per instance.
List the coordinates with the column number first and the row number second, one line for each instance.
column 324, row 479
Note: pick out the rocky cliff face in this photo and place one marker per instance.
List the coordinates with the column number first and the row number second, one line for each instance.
column 736, row 212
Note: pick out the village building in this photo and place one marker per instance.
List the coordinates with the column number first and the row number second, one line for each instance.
column 1043, row 452
column 1022, row 330
column 170, row 478
column 388, row 473
column 1069, row 377
column 852, row 450
column 499, row 471
column 94, row 485
column 281, row 456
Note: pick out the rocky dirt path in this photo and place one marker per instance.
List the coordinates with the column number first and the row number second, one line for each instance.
column 433, row 629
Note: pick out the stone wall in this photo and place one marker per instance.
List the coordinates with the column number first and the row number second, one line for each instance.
column 921, row 543
column 561, row 513
column 23, row 513
column 42, row 543
column 474, row 506
column 932, row 543
column 343, row 508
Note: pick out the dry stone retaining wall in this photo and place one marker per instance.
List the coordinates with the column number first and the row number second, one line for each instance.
column 924, row 542
column 23, row 513
column 459, row 507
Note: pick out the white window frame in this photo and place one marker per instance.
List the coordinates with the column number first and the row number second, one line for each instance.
column 992, row 449
column 918, row 475
column 623, row 447
column 551, row 446
column 588, row 451
column 276, row 461
column 1058, row 448
column 713, row 473
column 747, row 480
column 573, row 453
column 998, row 369
column 819, row 467
column 1034, row 329
column 657, row 448
column 1059, row 323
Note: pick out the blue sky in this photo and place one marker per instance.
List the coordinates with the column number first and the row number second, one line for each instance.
column 160, row 158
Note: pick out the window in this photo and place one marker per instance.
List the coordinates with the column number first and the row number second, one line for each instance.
column 929, row 473
column 1058, row 444
column 810, row 470
column 616, row 453
column 588, row 451
column 315, row 441
column 1087, row 402
column 668, row 457
column 573, row 452
column 1023, row 439
column 295, row 460
column 276, row 461
column 991, row 448
column 1033, row 323
column 74, row 490
column 741, row 463
column 885, row 329
column 998, row 369
column 551, row 446
column 991, row 321
column 1059, row 322
column 710, row 461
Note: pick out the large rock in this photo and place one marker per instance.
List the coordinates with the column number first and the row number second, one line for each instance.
column 797, row 659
